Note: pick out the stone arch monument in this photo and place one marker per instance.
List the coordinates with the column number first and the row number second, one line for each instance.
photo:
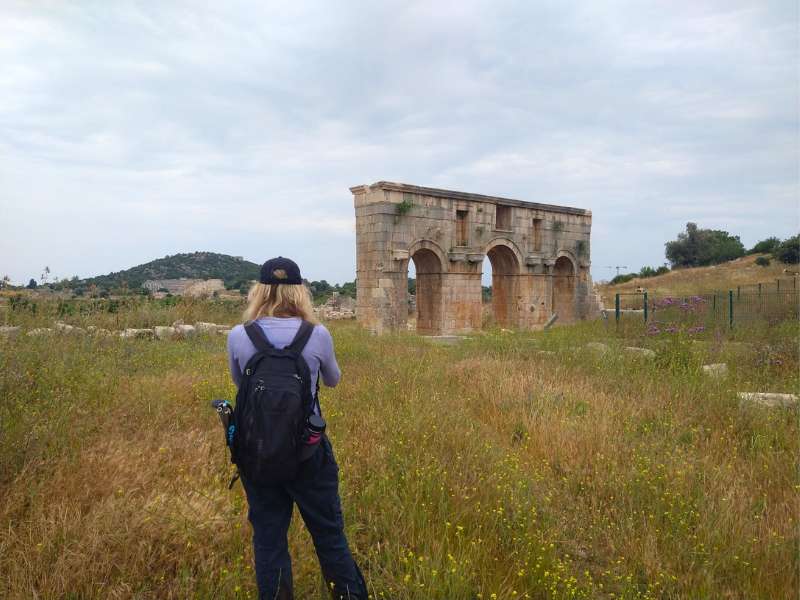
column 539, row 255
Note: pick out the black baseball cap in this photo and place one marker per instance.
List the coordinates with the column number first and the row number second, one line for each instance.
column 287, row 265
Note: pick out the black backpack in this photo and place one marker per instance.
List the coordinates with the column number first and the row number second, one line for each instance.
column 272, row 406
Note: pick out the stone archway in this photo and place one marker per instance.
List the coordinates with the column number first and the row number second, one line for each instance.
column 428, row 267
column 447, row 234
column 564, row 289
column 506, row 265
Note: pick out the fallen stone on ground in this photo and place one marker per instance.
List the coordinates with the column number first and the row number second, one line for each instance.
column 9, row 331
column 770, row 399
column 141, row 334
column 185, row 330
column 39, row 331
column 639, row 352
column 716, row 370
column 203, row 327
column 209, row 328
column 164, row 332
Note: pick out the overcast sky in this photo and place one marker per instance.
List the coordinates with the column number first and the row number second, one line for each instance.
column 129, row 131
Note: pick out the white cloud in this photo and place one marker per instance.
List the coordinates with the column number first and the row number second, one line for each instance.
column 131, row 131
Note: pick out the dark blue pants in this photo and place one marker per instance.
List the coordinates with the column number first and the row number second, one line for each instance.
column 316, row 493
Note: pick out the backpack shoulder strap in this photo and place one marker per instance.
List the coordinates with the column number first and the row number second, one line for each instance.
column 301, row 339
column 256, row 335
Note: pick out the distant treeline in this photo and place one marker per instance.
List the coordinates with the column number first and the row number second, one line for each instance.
column 703, row 247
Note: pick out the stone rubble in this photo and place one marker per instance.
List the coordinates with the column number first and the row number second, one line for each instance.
column 9, row 331
column 185, row 330
column 716, row 370
column 161, row 332
column 769, row 399
column 141, row 334
column 164, row 332
column 39, row 331
column 208, row 328
column 597, row 347
column 639, row 352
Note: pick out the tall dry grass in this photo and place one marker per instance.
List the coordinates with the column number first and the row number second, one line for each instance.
column 701, row 280
column 483, row 470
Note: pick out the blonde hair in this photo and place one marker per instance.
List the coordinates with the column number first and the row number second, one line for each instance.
column 279, row 300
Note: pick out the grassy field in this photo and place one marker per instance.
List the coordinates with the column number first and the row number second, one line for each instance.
column 508, row 466
column 681, row 282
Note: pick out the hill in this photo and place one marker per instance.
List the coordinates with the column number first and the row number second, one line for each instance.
column 234, row 271
column 682, row 282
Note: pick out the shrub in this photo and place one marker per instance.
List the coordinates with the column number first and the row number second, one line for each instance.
column 766, row 246
column 647, row 272
column 623, row 278
column 651, row 272
column 789, row 251
column 762, row 261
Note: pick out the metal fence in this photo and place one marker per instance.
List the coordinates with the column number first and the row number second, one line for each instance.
column 774, row 302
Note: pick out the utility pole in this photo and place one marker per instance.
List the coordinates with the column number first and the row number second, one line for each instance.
column 618, row 267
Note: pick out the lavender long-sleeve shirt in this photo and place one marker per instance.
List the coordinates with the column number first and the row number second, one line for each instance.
column 280, row 332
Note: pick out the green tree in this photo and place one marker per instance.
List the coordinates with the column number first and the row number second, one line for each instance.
column 766, row 246
column 647, row 272
column 700, row 247
column 32, row 285
column 789, row 251
column 623, row 278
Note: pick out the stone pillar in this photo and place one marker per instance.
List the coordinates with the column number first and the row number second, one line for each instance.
column 381, row 283
column 463, row 302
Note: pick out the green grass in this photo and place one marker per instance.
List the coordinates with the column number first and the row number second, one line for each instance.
column 483, row 470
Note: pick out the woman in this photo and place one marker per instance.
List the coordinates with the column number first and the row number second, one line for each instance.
column 279, row 303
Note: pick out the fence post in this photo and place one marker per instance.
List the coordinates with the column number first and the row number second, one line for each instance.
column 715, row 306
column 759, row 290
column 645, row 307
column 616, row 307
column 738, row 292
column 730, row 308
column 778, row 283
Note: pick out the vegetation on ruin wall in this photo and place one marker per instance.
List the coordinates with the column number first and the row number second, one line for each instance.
column 483, row 470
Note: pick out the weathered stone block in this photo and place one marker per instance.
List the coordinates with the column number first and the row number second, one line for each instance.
column 772, row 400
column 639, row 352
column 9, row 331
column 185, row 330
column 164, row 332
column 716, row 370
column 141, row 334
